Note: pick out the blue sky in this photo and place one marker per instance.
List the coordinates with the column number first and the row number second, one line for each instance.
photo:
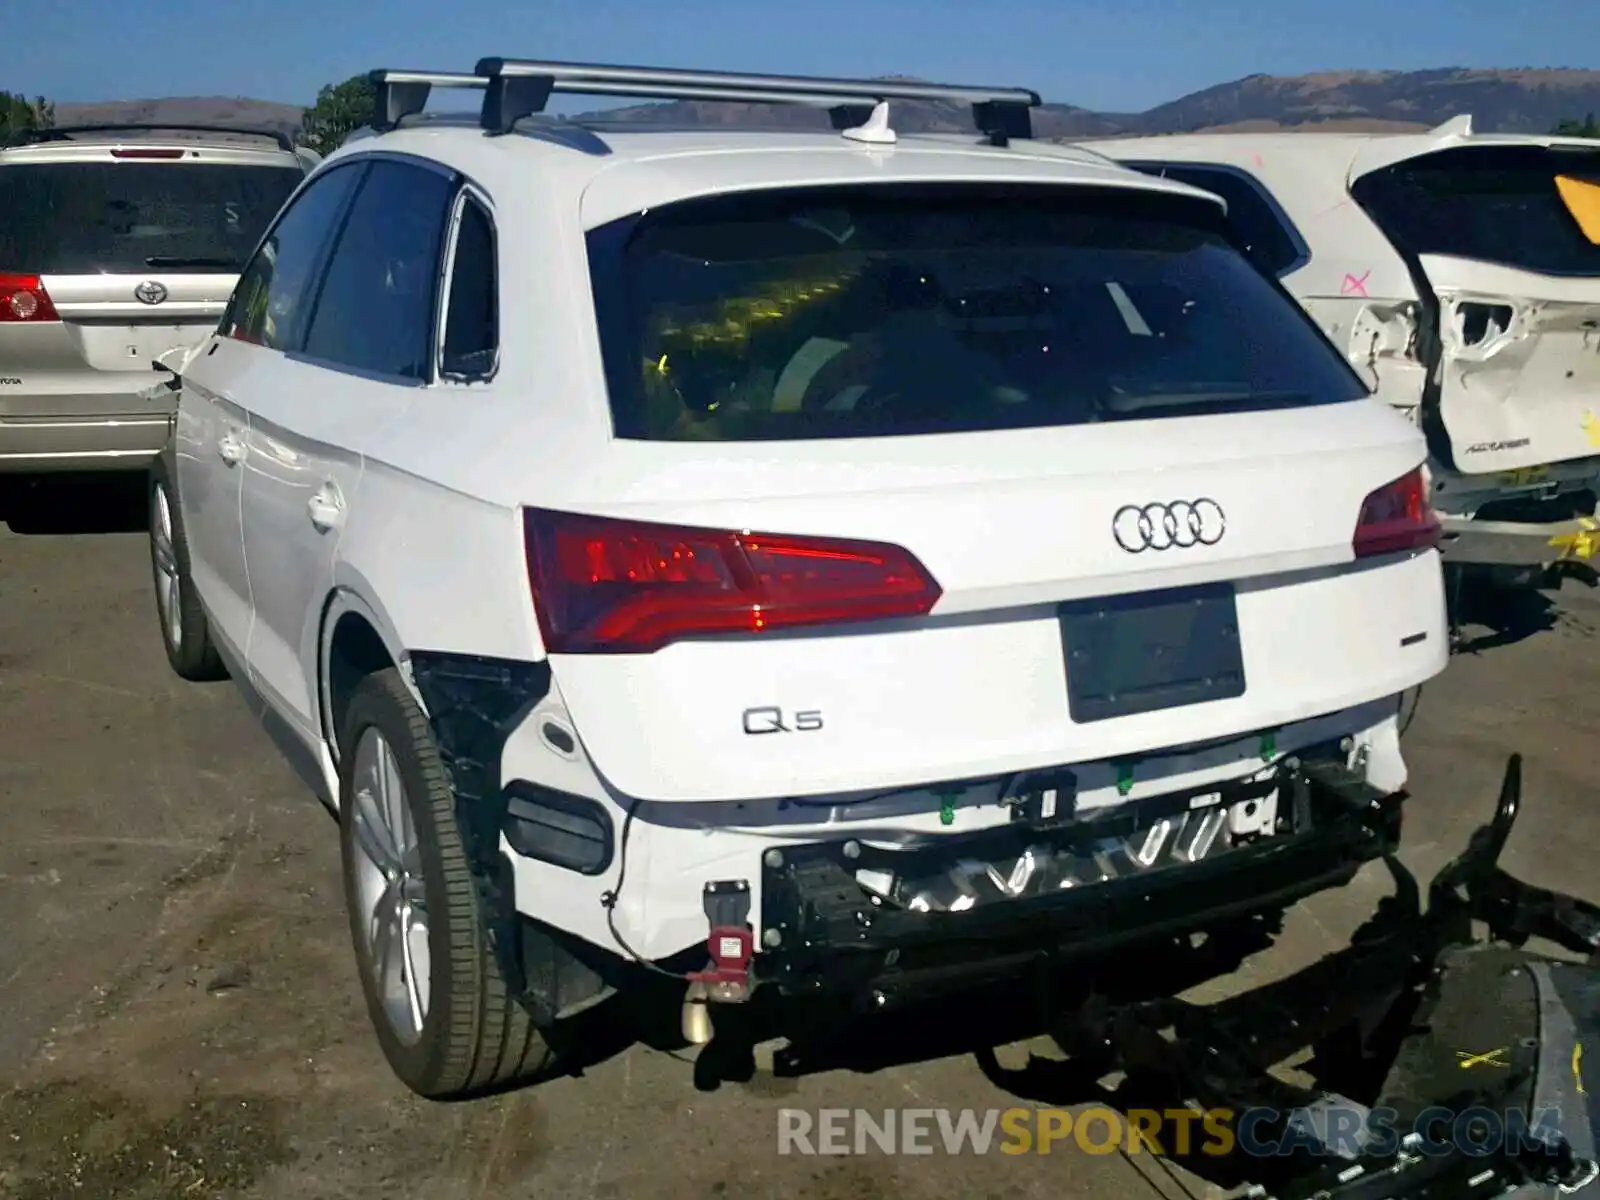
column 1102, row 54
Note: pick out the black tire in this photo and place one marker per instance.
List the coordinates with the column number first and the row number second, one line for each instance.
column 189, row 648
column 475, row 1037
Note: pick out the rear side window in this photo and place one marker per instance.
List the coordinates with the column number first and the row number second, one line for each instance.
column 1261, row 226
column 131, row 217
column 472, row 307
column 914, row 309
column 1496, row 204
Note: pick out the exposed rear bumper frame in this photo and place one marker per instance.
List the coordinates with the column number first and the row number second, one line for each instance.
column 1400, row 972
column 832, row 937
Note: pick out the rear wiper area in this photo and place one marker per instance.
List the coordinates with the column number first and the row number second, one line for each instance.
column 176, row 262
column 1198, row 400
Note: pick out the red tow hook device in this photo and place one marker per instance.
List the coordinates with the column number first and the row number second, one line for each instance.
column 731, row 942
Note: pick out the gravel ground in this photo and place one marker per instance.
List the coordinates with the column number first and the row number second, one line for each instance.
column 179, row 1013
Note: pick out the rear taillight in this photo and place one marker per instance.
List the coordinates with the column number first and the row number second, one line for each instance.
column 23, row 298
column 604, row 586
column 1397, row 517
column 165, row 154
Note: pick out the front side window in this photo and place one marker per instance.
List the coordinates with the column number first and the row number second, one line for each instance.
column 1495, row 204
column 375, row 311
column 887, row 310
column 272, row 296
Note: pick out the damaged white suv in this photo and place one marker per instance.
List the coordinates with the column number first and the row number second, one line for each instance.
column 1460, row 273
column 828, row 563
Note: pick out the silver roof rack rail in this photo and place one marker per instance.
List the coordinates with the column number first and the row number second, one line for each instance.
column 518, row 88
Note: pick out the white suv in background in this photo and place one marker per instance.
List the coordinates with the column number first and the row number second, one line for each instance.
column 833, row 563
column 1460, row 274
column 118, row 244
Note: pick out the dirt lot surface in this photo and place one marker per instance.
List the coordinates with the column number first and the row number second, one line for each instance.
column 179, row 1011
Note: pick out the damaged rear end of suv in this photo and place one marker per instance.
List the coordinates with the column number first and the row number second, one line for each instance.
column 1501, row 236
column 985, row 569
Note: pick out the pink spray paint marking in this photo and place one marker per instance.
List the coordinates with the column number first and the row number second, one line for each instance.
column 1355, row 285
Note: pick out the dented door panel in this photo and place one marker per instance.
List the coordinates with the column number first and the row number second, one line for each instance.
column 1519, row 367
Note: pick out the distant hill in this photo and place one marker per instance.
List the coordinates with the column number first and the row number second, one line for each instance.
column 1508, row 101
column 234, row 112
column 1520, row 100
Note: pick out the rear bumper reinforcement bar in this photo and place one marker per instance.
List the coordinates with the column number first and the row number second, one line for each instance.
column 825, row 932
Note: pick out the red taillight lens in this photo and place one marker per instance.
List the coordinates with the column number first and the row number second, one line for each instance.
column 23, row 298
column 604, row 586
column 1397, row 517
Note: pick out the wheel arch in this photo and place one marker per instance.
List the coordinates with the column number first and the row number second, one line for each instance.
column 356, row 638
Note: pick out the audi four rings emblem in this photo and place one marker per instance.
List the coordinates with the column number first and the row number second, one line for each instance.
column 150, row 292
column 1180, row 523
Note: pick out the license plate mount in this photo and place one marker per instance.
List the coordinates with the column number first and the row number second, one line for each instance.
column 1150, row 651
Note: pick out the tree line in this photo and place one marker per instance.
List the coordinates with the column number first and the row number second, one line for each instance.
column 18, row 113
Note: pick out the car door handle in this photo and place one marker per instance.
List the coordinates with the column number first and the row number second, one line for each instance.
column 229, row 448
column 326, row 508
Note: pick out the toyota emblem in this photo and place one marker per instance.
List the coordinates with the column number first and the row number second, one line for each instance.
column 1181, row 523
column 150, row 292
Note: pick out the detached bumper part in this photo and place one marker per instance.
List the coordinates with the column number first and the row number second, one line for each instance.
column 844, row 916
column 1515, row 544
column 1417, row 996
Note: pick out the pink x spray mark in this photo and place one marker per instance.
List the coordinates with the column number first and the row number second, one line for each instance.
column 1355, row 285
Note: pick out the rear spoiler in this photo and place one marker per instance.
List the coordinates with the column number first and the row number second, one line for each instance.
column 65, row 133
column 1386, row 150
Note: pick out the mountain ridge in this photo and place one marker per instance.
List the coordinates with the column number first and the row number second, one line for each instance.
column 1511, row 99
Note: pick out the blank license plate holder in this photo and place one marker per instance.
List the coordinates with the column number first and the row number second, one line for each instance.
column 1150, row 651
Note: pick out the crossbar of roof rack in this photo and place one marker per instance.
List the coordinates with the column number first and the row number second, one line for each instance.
column 646, row 91
column 402, row 94
column 62, row 133
column 518, row 88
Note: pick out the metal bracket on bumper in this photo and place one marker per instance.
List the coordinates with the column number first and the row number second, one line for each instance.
column 823, row 931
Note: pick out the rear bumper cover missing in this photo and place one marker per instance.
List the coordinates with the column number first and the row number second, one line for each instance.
column 832, row 934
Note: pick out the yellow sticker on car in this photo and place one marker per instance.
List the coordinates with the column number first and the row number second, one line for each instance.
column 1523, row 476
column 1582, row 199
column 1582, row 544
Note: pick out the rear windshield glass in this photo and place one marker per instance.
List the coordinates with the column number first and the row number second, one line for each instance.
column 1496, row 204
column 893, row 309
column 131, row 217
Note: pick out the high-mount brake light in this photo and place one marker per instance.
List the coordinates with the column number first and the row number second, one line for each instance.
column 607, row 586
column 148, row 153
column 1397, row 517
column 23, row 298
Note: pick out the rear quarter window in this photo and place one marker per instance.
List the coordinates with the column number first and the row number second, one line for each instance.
column 78, row 218
column 1496, row 204
column 897, row 309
